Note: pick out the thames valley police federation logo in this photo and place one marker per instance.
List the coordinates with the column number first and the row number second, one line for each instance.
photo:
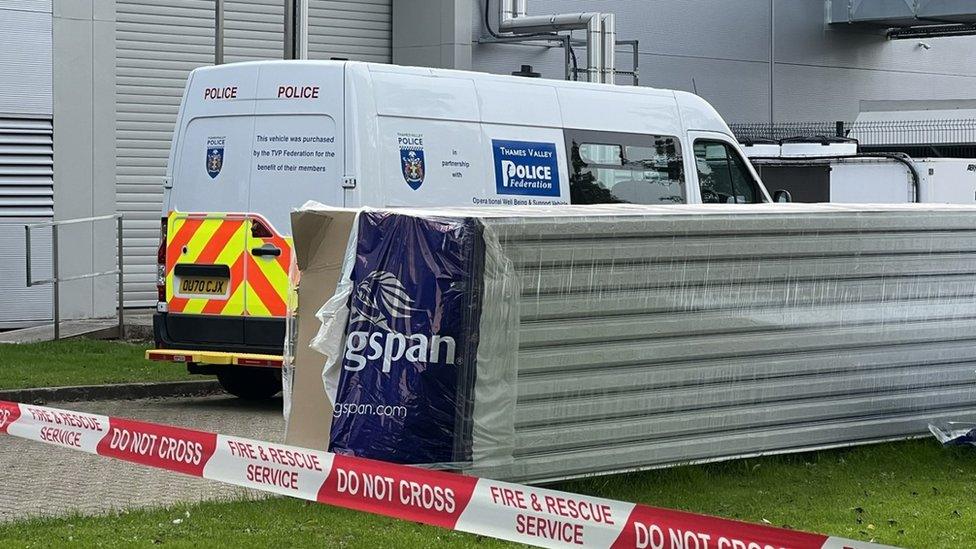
column 412, row 158
column 215, row 156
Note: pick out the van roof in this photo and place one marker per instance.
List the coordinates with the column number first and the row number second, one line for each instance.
column 430, row 71
column 693, row 112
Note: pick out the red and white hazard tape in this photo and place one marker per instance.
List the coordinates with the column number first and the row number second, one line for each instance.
column 535, row 516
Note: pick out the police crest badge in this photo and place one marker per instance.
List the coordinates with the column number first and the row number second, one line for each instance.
column 215, row 156
column 412, row 162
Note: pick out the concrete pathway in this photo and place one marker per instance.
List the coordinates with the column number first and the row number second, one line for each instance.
column 138, row 324
column 42, row 480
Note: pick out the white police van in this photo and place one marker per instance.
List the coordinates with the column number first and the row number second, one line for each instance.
column 255, row 140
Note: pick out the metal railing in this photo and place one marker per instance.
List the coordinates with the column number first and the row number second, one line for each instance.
column 873, row 132
column 56, row 277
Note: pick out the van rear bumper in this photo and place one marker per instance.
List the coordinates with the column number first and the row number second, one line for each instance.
column 235, row 334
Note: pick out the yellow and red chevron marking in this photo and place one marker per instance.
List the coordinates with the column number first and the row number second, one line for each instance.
column 267, row 278
column 258, row 286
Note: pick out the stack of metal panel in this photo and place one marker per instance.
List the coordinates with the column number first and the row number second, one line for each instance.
column 657, row 336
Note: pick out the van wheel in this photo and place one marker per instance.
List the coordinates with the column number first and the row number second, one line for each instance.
column 250, row 383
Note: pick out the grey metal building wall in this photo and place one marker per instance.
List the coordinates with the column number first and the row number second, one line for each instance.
column 159, row 43
column 816, row 73
column 26, row 154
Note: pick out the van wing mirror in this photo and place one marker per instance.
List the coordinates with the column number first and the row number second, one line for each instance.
column 782, row 195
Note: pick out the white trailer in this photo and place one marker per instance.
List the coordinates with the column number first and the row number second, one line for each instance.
column 872, row 179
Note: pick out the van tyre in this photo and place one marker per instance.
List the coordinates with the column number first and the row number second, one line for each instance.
column 250, row 383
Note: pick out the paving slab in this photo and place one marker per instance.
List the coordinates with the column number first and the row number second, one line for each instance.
column 43, row 480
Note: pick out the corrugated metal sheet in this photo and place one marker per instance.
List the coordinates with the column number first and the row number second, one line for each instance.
column 158, row 43
column 19, row 305
column 26, row 5
column 26, row 63
column 254, row 30
column 666, row 338
column 361, row 30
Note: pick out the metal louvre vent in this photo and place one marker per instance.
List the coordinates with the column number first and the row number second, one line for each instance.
column 26, row 167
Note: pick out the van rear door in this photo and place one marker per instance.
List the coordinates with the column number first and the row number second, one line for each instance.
column 207, row 226
column 205, row 263
column 243, row 162
column 298, row 125
column 297, row 156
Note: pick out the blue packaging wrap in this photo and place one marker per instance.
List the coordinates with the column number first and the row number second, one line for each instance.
column 405, row 387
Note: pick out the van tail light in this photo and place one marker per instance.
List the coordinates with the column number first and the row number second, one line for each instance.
column 161, row 268
column 259, row 229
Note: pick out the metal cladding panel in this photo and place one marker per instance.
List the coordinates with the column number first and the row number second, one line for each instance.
column 27, row 5
column 26, row 63
column 254, row 29
column 665, row 337
column 361, row 31
column 158, row 43
column 720, row 49
column 19, row 305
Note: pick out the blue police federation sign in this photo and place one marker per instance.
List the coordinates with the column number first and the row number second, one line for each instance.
column 215, row 156
column 525, row 168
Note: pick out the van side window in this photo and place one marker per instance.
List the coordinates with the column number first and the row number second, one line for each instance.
column 625, row 168
column 723, row 175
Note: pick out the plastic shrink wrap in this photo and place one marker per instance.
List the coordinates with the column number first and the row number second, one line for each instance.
column 534, row 344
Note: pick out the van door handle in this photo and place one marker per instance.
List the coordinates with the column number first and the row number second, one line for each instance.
column 267, row 249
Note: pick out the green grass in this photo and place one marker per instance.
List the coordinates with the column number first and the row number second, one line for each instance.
column 276, row 522
column 912, row 494
column 80, row 362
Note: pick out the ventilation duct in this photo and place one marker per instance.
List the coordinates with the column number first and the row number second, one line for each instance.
column 600, row 29
column 907, row 18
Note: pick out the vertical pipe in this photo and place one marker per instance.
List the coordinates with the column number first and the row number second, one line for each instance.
column 772, row 61
column 505, row 9
column 218, row 32
column 118, row 228
column 301, row 29
column 27, row 254
column 594, row 54
column 511, row 9
column 54, row 275
column 521, row 8
column 567, row 66
column 289, row 36
column 608, row 28
column 636, row 63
